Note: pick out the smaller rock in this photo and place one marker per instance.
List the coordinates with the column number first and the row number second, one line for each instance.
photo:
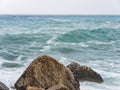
column 84, row 73
column 3, row 86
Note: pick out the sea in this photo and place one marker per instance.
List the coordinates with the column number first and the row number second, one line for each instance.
column 90, row 40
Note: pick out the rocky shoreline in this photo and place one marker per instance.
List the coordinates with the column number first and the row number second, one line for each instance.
column 46, row 73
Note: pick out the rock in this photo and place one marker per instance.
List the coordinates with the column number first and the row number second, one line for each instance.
column 55, row 87
column 34, row 88
column 58, row 87
column 45, row 73
column 3, row 86
column 84, row 73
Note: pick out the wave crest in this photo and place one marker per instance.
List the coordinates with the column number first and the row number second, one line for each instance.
column 101, row 34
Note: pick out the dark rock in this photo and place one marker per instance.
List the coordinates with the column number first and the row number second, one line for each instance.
column 3, row 86
column 84, row 73
column 46, row 73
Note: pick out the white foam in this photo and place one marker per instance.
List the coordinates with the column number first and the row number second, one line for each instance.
column 45, row 48
column 88, row 88
column 59, row 20
column 50, row 41
column 100, row 42
column 103, row 87
column 10, row 76
column 1, row 61
column 63, row 60
column 18, row 59
column 83, row 44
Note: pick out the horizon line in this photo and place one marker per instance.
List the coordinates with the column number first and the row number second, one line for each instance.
column 63, row 14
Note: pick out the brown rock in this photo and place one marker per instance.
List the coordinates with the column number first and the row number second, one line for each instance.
column 45, row 72
column 84, row 73
column 3, row 86
column 55, row 87
column 34, row 88
column 58, row 87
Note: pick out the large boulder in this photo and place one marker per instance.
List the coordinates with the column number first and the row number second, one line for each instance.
column 84, row 73
column 3, row 86
column 45, row 73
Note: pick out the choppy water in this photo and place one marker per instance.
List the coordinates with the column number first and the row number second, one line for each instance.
column 89, row 40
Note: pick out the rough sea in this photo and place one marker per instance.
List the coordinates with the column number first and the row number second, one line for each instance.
column 92, row 41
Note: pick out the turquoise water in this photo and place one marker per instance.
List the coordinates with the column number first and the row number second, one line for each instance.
column 89, row 40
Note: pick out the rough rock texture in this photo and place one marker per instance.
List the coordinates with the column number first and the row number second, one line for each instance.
column 34, row 88
column 55, row 87
column 59, row 87
column 3, row 86
column 46, row 73
column 84, row 73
